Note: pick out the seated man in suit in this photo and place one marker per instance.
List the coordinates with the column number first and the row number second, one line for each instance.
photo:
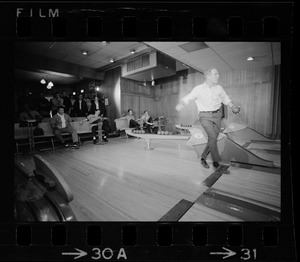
column 61, row 123
column 94, row 120
column 80, row 108
column 29, row 114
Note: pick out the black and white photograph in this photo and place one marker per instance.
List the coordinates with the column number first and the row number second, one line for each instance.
column 150, row 131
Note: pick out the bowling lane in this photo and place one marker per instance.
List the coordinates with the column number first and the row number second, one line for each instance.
column 121, row 181
column 257, row 144
column 272, row 146
column 266, row 150
column 242, row 195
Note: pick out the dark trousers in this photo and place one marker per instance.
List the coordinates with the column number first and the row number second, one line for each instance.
column 133, row 124
column 211, row 123
column 58, row 133
column 105, row 128
column 147, row 127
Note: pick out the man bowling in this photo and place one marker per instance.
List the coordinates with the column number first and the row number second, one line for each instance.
column 209, row 97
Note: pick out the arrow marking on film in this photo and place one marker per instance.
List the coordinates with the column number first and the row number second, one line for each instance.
column 229, row 253
column 78, row 254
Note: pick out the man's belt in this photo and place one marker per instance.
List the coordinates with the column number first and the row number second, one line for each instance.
column 210, row 111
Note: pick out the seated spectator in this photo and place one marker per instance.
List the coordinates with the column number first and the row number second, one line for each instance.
column 94, row 120
column 88, row 104
column 66, row 102
column 61, row 123
column 56, row 102
column 72, row 99
column 132, row 123
column 147, row 122
column 80, row 107
column 29, row 114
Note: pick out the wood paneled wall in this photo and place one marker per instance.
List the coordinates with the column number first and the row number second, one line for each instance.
column 111, row 88
column 250, row 89
column 137, row 97
column 168, row 95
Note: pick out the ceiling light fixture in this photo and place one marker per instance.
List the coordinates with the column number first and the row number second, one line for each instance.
column 50, row 85
column 112, row 60
column 84, row 52
column 43, row 81
column 250, row 58
column 132, row 51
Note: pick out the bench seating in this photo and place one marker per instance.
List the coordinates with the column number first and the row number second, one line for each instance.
column 21, row 134
column 122, row 125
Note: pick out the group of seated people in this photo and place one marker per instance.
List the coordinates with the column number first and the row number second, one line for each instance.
column 61, row 122
column 145, row 122
column 75, row 106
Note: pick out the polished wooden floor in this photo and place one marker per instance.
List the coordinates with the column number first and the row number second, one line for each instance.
column 121, row 181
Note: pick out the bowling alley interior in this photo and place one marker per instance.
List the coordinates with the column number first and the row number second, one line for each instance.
column 151, row 172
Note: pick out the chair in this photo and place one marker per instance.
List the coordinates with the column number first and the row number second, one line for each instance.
column 122, row 125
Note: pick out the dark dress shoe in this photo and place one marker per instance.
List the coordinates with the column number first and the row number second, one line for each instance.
column 216, row 164
column 204, row 163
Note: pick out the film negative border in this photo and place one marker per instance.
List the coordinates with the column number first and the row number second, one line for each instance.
column 166, row 22
column 96, row 26
column 161, row 240
column 144, row 241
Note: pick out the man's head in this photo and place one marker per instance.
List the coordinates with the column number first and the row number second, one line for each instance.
column 61, row 110
column 212, row 75
column 80, row 97
column 57, row 95
column 97, row 113
column 130, row 112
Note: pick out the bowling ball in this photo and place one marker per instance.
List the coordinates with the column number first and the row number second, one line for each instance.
column 158, row 132
column 166, row 132
column 133, row 131
column 235, row 110
column 143, row 132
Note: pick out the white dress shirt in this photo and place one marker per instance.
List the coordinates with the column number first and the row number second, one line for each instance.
column 97, row 105
column 207, row 98
column 63, row 120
